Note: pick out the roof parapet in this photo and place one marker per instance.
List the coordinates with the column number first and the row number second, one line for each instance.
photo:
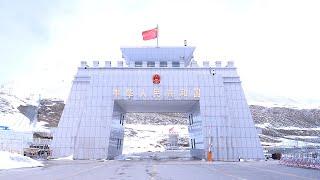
column 194, row 64
column 83, row 64
column 181, row 64
column 95, row 63
column 206, row 64
column 230, row 64
column 218, row 63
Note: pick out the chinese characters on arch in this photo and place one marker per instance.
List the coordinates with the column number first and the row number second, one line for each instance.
column 156, row 93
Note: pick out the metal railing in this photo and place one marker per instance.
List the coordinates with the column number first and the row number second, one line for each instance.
column 303, row 160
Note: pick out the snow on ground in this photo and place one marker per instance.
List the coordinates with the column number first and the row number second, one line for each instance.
column 64, row 158
column 40, row 127
column 303, row 137
column 294, row 143
column 18, row 122
column 264, row 125
column 144, row 138
column 168, row 154
column 13, row 160
column 284, row 142
column 14, row 101
column 15, row 121
column 298, row 128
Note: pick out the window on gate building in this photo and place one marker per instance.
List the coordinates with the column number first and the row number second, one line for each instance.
column 190, row 119
column 163, row 64
column 138, row 64
column 117, row 143
column 175, row 64
column 150, row 64
column 121, row 119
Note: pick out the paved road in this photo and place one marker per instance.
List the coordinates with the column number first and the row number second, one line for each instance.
column 159, row 170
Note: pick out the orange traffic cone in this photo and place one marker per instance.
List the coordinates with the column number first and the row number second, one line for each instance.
column 209, row 156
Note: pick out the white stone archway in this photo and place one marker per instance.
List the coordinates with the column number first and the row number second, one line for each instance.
column 99, row 97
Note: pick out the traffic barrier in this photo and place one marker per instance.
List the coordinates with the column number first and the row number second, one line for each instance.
column 303, row 162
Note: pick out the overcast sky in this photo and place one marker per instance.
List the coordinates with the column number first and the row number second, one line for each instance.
column 274, row 43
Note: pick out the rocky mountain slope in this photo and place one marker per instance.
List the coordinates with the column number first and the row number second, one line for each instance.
column 279, row 125
column 50, row 111
column 156, row 118
column 18, row 114
column 281, row 116
column 295, row 125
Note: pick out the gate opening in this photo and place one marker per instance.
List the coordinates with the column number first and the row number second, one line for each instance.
column 156, row 132
column 153, row 127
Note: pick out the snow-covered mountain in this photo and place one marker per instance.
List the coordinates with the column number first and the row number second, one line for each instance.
column 283, row 122
column 282, row 101
column 287, row 127
column 18, row 114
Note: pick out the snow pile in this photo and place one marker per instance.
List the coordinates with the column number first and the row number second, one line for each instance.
column 166, row 155
column 64, row 158
column 12, row 160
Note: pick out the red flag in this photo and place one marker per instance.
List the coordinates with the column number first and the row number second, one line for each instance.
column 150, row 34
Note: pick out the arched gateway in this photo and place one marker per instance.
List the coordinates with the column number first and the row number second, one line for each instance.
column 161, row 79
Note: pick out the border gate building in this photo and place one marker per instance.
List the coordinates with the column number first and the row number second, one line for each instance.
column 157, row 79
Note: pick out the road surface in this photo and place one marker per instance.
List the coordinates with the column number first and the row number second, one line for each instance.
column 158, row 170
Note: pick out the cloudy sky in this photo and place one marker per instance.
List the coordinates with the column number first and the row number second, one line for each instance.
column 274, row 43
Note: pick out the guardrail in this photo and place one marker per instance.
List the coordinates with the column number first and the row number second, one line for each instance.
column 303, row 162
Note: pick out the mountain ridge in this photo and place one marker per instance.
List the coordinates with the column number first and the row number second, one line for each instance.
column 277, row 124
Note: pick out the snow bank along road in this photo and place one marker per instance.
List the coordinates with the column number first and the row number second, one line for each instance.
column 162, row 170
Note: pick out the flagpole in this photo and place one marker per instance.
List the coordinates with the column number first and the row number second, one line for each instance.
column 157, row 36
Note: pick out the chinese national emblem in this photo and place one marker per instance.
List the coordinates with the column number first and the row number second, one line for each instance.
column 156, row 79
